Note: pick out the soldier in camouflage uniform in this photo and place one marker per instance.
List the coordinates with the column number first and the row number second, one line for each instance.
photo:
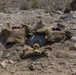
column 36, row 42
column 43, row 35
column 36, row 51
column 15, row 34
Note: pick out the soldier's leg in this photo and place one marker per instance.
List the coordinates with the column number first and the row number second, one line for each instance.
column 10, row 40
column 27, row 52
column 20, row 41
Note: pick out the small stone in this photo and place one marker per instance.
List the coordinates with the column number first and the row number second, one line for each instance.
column 59, row 12
column 72, row 48
column 19, row 48
column 42, row 65
column 10, row 61
column 73, row 73
column 47, row 53
column 7, row 55
column 38, row 16
column 39, row 67
column 3, row 64
column 73, row 39
column 1, row 53
column 31, row 67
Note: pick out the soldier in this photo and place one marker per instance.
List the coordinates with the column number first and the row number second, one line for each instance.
column 35, row 51
column 15, row 34
column 58, row 36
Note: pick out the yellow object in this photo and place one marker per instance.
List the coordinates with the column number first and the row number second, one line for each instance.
column 36, row 46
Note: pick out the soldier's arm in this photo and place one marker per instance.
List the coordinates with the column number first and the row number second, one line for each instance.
column 41, row 31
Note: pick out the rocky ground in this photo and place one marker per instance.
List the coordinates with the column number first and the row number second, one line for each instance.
column 51, row 5
column 62, row 57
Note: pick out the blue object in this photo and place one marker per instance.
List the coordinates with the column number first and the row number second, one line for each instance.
column 36, row 38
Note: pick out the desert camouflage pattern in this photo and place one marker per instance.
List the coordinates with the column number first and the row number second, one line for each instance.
column 29, row 51
column 58, row 36
column 21, row 35
column 15, row 35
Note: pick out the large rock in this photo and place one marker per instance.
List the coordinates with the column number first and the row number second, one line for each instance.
column 71, row 6
column 71, row 15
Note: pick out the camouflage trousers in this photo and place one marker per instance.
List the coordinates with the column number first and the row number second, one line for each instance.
column 29, row 51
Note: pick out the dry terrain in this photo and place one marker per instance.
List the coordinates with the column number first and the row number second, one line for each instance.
column 62, row 57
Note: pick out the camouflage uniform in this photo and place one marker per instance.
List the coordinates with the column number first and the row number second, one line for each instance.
column 29, row 51
column 20, row 35
column 58, row 36
column 55, row 35
column 50, row 36
column 16, row 35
